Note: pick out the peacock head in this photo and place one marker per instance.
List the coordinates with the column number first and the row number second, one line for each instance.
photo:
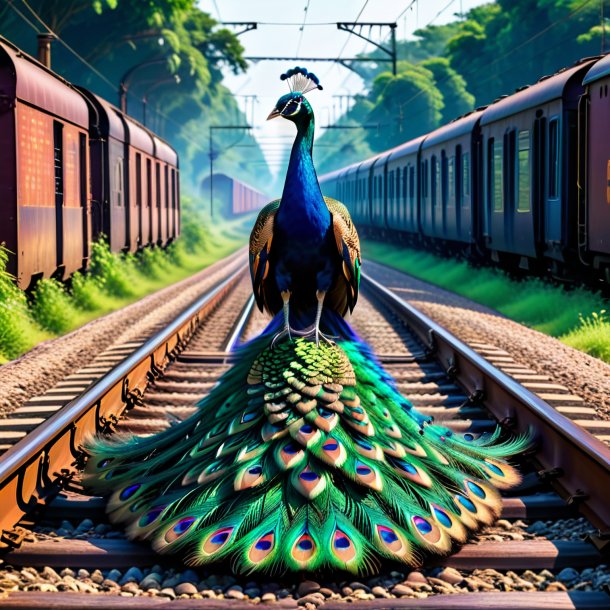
column 294, row 106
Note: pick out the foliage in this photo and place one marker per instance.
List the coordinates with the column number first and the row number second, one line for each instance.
column 167, row 51
column 112, row 281
column 592, row 335
column 111, row 271
column 451, row 86
column 566, row 314
column 404, row 106
column 52, row 307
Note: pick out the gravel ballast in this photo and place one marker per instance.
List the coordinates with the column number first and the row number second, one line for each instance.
column 51, row 361
column 582, row 374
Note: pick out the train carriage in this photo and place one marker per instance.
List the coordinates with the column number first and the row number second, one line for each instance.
column 447, row 211
column 166, row 206
column 44, row 190
column 107, row 141
column 529, row 145
column 594, row 202
column 403, row 176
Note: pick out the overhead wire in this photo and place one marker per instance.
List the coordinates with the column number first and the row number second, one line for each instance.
column 302, row 29
column 508, row 53
column 166, row 117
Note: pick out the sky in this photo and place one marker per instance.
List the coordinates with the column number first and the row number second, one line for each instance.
column 287, row 40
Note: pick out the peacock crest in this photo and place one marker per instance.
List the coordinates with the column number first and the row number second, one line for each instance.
column 301, row 80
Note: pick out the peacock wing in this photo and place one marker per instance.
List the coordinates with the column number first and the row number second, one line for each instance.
column 260, row 248
column 348, row 246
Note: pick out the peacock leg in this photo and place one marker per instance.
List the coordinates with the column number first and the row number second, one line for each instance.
column 320, row 295
column 286, row 331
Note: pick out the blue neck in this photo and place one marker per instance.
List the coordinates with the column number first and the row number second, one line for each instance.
column 302, row 195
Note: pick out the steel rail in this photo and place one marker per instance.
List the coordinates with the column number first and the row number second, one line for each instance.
column 32, row 469
column 575, row 463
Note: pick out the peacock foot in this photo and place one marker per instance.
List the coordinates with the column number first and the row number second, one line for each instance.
column 316, row 334
column 286, row 332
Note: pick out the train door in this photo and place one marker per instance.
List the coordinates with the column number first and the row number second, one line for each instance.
column 84, row 191
column 58, row 167
column 139, row 206
column 539, row 155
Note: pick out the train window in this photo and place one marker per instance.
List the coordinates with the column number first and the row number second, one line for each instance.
column 139, row 180
column 174, row 189
column 58, row 161
column 553, row 159
column 391, row 189
column 118, row 181
column 158, row 183
column 424, row 179
column 498, row 181
column 412, row 183
column 434, row 179
column 466, row 174
column 524, row 179
column 71, row 186
column 148, row 184
column 35, row 151
column 82, row 169
column 451, row 181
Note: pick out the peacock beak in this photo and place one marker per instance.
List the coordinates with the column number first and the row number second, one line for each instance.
column 274, row 114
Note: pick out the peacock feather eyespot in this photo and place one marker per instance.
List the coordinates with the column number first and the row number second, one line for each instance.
column 179, row 529
column 309, row 475
column 330, row 445
column 217, row 540
column 423, row 525
column 262, row 548
column 387, row 535
column 103, row 463
column 306, row 429
column 304, row 549
column 468, row 437
column 477, row 490
column 406, row 467
column 255, row 470
column 363, row 470
column 493, row 468
column 466, row 503
column 442, row 517
column 291, row 448
column 151, row 516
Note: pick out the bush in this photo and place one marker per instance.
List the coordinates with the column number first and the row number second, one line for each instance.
column 153, row 262
column 592, row 336
column 110, row 270
column 52, row 307
column 85, row 291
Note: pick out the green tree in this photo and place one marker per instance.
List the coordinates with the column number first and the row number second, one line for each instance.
column 404, row 107
column 452, row 87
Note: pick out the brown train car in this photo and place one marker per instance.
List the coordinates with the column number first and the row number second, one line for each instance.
column 168, row 191
column 107, row 143
column 595, row 222
column 139, row 150
column 44, row 189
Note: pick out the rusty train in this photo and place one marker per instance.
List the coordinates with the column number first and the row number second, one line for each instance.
column 73, row 167
column 523, row 182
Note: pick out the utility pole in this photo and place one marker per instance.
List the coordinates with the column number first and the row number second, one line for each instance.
column 214, row 155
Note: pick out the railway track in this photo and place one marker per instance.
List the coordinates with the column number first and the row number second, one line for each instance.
column 48, row 525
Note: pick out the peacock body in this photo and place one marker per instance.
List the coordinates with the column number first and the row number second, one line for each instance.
column 304, row 457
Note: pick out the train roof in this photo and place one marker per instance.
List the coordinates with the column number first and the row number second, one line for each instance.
column 164, row 151
column 138, row 136
column 408, row 148
column 106, row 118
column 31, row 82
column 545, row 90
column 599, row 69
column 455, row 129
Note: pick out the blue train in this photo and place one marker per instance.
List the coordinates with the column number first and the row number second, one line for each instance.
column 523, row 182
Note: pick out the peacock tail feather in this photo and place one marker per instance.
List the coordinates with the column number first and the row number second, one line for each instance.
column 303, row 458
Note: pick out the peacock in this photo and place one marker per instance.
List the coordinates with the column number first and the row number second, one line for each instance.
column 304, row 457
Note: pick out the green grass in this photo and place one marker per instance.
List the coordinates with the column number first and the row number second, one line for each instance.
column 111, row 282
column 575, row 316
